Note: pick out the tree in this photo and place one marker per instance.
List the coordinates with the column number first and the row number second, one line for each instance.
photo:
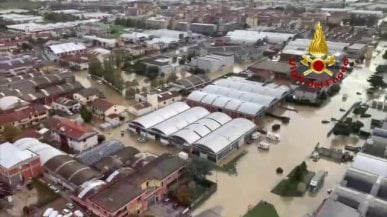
column 182, row 60
column 152, row 72
column 381, row 69
column 86, row 114
column 174, row 59
column 10, row 132
column 376, row 81
column 385, row 55
column 303, row 166
column 130, row 92
column 95, row 68
column 199, row 168
column 139, row 68
column 171, row 77
column 183, row 195
column 341, row 128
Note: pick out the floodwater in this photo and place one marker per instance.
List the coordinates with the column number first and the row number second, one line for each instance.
column 256, row 170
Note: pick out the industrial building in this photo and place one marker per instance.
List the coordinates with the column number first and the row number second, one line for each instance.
column 218, row 144
column 142, row 124
column 185, row 137
column 57, row 165
column 238, row 97
column 213, row 62
column 252, row 37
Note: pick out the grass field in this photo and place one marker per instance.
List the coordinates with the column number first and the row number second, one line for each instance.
column 262, row 209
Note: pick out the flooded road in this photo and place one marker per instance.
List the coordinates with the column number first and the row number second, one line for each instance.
column 256, row 170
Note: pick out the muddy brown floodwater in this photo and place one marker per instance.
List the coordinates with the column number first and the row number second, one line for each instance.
column 256, row 170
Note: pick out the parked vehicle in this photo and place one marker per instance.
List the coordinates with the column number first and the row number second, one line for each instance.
column 255, row 135
column 273, row 136
column 317, row 181
column 141, row 139
column 65, row 211
column 48, row 212
column 54, row 214
column 78, row 213
column 264, row 145
column 70, row 205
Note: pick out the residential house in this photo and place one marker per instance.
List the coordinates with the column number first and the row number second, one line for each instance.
column 24, row 117
column 70, row 134
column 140, row 108
column 104, row 109
column 86, row 95
column 66, row 105
column 159, row 97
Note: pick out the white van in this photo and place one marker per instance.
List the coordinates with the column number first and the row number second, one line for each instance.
column 273, row 136
column 78, row 213
column 48, row 212
column 54, row 214
column 264, row 145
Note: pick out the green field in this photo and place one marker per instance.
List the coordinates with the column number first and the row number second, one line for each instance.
column 230, row 167
column 262, row 209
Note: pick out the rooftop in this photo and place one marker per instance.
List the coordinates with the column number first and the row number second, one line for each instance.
column 69, row 128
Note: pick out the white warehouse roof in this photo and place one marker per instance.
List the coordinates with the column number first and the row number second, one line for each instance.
column 10, row 155
column 67, row 47
column 251, row 36
column 370, row 164
column 160, row 115
column 226, row 102
column 45, row 151
column 241, row 95
column 242, row 84
column 180, row 121
column 225, row 135
column 202, row 127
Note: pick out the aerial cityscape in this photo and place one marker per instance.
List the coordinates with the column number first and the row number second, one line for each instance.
column 193, row 108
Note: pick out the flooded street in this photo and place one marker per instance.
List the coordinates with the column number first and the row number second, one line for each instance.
column 256, row 170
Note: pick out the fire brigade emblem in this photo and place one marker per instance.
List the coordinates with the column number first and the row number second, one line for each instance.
column 318, row 60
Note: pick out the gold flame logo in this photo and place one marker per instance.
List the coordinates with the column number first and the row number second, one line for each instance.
column 318, row 49
column 318, row 46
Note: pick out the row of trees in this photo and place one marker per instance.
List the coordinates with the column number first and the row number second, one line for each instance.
column 346, row 127
column 59, row 17
column 134, row 23
column 108, row 70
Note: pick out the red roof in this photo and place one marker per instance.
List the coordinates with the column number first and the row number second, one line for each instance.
column 23, row 113
column 69, row 128
column 101, row 104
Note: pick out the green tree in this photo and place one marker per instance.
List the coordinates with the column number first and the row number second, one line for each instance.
column 139, row 68
column 376, row 81
column 95, row 68
column 341, row 128
column 182, row 60
column 86, row 114
column 303, row 166
column 381, row 69
column 174, row 59
column 10, row 132
column 199, row 168
column 152, row 72
column 130, row 93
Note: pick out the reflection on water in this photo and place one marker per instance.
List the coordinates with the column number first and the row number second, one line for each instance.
column 256, row 170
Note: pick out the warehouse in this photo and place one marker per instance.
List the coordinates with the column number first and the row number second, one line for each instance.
column 57, row 165
column 190, row 83
column 213, row 62
column 218, row 144
column 252, row 37
column 238, row 97
column 142, row 124
column 185, row 137
column 67, row 48
column 161, row 131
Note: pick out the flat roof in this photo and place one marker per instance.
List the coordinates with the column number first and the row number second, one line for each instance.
column 11, row 155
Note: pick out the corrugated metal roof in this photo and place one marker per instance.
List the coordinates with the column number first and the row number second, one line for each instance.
column 225, row 135
column 67, row 47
